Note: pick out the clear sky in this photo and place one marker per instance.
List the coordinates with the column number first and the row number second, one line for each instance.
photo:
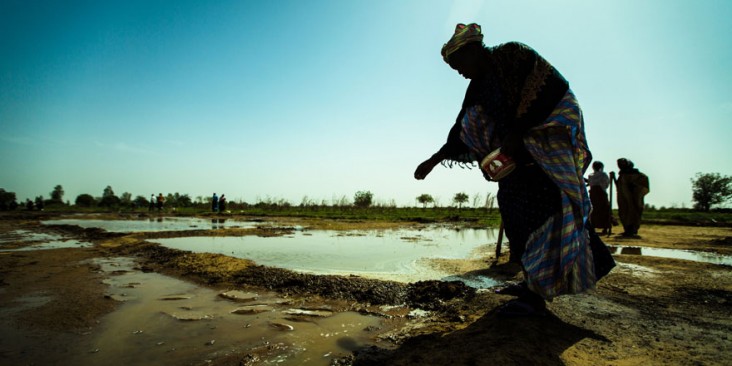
column 320, row 99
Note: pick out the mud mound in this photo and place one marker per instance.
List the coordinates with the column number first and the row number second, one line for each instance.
column 430, row 295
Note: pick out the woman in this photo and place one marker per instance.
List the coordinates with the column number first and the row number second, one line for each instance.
column 633, row 186
column 599, row 181
column 518, row 102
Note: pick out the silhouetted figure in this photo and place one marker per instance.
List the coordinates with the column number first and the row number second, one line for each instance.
column 632, row 186
column 599, row 181
column 222, row 203
column 214, row 203
column 160, row 202
column 521, row 122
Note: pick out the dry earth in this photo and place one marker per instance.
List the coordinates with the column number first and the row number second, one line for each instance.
column 647, row 311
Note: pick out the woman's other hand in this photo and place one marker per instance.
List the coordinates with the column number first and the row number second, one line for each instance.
column 512, row 144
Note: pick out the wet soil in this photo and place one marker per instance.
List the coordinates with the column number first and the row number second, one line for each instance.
column 647, row 311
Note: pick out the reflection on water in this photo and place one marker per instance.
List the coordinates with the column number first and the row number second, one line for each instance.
column 218, row 223
column 155, row 224
column 384, row 254
column 706, row 257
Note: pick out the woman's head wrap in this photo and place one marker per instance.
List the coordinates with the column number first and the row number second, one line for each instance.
column 463, row 35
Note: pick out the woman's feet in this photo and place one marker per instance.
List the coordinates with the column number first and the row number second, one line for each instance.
column 527, row 303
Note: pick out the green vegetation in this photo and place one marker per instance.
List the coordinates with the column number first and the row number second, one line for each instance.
column 680, row 216
column 424, row 199
column 362, row 207
column 363, row 199
column 710, row 189
column 460, row 199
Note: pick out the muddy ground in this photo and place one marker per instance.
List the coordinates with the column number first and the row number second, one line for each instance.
column 647, row 311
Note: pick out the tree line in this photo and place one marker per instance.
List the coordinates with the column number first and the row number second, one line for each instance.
column 708, row 190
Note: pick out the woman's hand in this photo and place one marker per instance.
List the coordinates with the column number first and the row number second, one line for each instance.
column 426, row 167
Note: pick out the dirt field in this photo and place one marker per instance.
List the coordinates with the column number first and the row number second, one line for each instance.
column 647, row 311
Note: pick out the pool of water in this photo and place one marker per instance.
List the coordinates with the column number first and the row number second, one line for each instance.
column 26, row 236
column 24, row 240
column 691, row 255
column 53, row 244
column 155, row 224
column 162, row 320
column 401, row 255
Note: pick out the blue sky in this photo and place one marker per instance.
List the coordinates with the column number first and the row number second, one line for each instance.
column 320, row 99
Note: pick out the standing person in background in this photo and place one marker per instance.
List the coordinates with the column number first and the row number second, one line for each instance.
column 519, row 112
column 151, row 204
column 633, row 186
column 222, row 203
column 160, row 201
column 214, row 203
column 599, row 181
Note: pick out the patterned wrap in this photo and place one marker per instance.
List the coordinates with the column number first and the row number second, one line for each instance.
column 557, row 258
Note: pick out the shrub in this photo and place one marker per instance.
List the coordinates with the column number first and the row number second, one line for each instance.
column 85, row 200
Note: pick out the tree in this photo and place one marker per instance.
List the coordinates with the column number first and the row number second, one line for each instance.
column 363, row 199
column 57, row 196
column 85, row 200
column 476, row 200
column 140, row 201
column 126, row 199
column 8, row 201
column 108, row 198
column 39, row 203
column 460, row 198
column 171, row 200
column 490, row 200
column 183, row 200
column 424, row 199
column 710, row 189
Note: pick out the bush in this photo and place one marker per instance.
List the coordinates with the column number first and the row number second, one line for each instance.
column 363, row 199
column 85, row 200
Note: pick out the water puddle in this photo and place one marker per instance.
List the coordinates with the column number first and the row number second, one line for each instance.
column 163, row 320
column 54, row 244
column 24, row 240
column 25, row 236
column 402, row 255
column 155, row 224
column 696, row 256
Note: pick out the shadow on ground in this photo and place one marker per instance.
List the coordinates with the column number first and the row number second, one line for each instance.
column 491, row 340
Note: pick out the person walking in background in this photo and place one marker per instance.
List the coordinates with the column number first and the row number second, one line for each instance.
column 214, row 203
column 151, row 204
column 519, row 112
column 632, row 186
column 599, row 181
column 222, row 203
column 160, row 202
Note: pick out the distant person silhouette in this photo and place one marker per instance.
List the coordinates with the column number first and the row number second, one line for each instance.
column 632, row 186
column 599, row 181
column 222, row 203
column 151, row 205
column 160, row 201
column 215, row 203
